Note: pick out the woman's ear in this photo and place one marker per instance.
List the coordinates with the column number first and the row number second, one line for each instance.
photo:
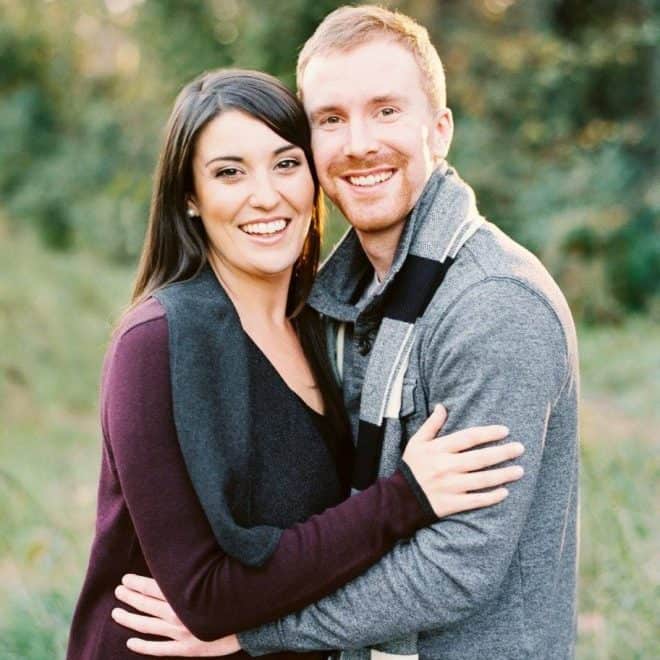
column 191, row 208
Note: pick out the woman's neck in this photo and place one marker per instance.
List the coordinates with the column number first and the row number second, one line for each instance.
column 258, row 300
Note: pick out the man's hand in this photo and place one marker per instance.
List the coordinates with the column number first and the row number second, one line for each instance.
column 144, row 595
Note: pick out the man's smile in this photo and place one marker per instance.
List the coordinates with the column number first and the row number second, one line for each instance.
column 370, row 179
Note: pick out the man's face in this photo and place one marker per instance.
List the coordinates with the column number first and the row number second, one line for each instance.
column 375, row 136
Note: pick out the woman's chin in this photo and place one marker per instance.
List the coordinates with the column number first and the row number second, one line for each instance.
column 271, row 269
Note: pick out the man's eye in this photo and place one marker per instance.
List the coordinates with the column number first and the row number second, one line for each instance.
column 387, row 112
column 330, row 119
column 288, row 163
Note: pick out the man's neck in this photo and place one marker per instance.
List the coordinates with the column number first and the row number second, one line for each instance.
column 380, row 247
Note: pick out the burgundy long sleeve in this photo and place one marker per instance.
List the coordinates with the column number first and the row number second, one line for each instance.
column 212, row 593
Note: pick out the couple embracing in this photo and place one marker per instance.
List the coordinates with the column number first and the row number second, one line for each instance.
column 278, row 477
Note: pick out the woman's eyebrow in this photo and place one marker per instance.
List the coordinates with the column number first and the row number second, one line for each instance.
column 235, row 159
column 285, row 147
column 238, row 159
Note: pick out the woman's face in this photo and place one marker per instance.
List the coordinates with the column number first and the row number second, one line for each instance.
column 254, row 193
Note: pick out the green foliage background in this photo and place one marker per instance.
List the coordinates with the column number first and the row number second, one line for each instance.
column 556, row 108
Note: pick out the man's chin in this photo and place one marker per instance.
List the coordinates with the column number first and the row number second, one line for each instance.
column 372, row 224
column 372, row 218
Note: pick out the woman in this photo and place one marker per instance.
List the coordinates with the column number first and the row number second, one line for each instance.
column 222, row 425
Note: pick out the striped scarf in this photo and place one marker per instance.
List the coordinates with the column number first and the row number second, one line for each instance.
column 406, row 294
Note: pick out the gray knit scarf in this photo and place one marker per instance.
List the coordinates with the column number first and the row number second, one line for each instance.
column 406, row 295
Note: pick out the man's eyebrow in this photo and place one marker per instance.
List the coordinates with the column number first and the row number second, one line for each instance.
column 324, row 110
column 375, row 100
column 386, row 98
column 238, row 159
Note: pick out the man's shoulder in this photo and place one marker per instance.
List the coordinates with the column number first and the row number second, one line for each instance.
column 494, row 254
column 491, row 259
column 497, row 293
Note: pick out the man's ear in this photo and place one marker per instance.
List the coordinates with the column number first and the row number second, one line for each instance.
column 443, row 133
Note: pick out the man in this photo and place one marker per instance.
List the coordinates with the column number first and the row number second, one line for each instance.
column 427, row 302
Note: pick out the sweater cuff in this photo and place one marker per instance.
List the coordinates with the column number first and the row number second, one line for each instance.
column 424, row 502
column 262, row 640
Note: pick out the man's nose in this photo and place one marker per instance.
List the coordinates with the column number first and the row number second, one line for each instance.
column 360, row 141
column 265, row 194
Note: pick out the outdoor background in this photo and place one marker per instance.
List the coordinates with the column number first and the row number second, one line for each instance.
column 557, row 129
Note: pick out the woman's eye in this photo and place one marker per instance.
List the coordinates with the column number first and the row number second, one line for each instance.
column 227, row 172
column 288, row 163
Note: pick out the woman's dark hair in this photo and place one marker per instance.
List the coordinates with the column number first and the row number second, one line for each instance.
column 176, row 246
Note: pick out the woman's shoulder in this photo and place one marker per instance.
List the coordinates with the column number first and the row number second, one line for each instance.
column 149, row 312
column 139, row 343
column 146, row 324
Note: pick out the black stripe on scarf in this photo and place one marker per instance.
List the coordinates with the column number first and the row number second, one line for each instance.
column 413, row 287
column 406, row 300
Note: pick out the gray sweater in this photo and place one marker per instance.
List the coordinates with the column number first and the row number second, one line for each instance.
column 497, row 345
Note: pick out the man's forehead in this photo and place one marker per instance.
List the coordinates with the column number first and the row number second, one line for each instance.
column 377, row 53
column 371, row 71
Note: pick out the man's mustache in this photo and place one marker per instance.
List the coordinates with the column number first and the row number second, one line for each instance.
column 341, row 168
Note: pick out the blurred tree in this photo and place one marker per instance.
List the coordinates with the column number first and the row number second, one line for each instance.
column 66, row 164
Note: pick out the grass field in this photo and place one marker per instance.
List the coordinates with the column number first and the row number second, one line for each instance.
column 55, row 315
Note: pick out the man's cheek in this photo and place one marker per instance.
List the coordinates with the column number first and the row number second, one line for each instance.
column 325, row 148
column 322, row 168
column 326, row 183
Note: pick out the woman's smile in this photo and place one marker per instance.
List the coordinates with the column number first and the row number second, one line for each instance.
column 264, row 228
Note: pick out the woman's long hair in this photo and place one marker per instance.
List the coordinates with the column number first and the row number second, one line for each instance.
column 176, row 246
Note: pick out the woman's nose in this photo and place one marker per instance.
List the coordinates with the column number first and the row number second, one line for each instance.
column 265, row 194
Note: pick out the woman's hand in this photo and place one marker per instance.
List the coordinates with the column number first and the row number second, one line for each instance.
column 449, row 469
column 144, row 595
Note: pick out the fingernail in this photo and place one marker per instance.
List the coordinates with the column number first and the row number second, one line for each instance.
column 504, row 429
column 130, row 642
column 519, row 471
column 520, row 448
column 119, row 590
column 113, row 613
column 505, row 491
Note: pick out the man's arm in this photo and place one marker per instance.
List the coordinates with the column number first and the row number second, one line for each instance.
column 498, row 356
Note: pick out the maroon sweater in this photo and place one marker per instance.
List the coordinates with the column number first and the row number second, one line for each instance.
column 150, row 522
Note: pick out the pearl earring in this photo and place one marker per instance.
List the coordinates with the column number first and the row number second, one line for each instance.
column 192, row 214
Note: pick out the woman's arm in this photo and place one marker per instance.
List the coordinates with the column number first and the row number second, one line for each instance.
column 212, row 593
